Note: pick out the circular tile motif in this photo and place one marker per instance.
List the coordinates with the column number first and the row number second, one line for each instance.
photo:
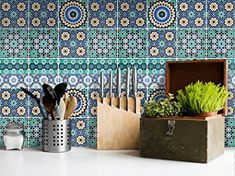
column 158, row 94
column 162, row 14
column 81, row 99
column 73, row 14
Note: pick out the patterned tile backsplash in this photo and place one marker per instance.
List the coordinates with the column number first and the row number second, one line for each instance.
column 72, row 41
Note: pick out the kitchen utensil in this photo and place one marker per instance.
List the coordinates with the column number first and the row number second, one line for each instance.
column 66, row 98
column 50, row 107
column 14, row 136
column 49, row 91
column 61, row 109
column 134, row 81
column 127, row 87
column 128, row 82
column 71, row 107
column 102, row 84
column 60, row 90
column 118, row 82
column 36, row 99
column 56, row 135
column 110, row 84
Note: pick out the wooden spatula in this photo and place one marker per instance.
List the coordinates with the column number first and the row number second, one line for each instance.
column 71, row 106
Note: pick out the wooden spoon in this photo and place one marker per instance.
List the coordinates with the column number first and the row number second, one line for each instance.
column 70, row 108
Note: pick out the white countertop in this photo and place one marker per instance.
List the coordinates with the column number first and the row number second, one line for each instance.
column 82, row 162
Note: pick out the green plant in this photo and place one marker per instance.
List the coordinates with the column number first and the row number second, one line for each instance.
column 202, row 97
column 163, row 108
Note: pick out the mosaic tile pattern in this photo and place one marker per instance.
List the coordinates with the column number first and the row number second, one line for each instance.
column 80, row 132
column 73, row 14
column 43, row 14
column 43, row 43
column 221, row 43
column 132, row 43
column 162, row 14
column 132, row 14
column 102, row 14
column 13, row 43
column 13, row 14
column 191, row 14
column 191, row 43
column 221, row 14
column 71, row 41
column 102, row 43
column 229, row 132
column 162, row 43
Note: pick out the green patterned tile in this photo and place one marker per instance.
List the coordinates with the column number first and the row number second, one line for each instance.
column 73, row 66
column 43, row 43
column 221, row 43
column 13, row 66
column 43, row 66
column 191, row 43
column 132, row 43
column 102, row 43
column 13, row 43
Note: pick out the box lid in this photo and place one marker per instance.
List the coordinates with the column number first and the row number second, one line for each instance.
column 181, row 73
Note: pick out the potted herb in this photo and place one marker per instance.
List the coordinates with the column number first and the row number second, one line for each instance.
column 163, row 108
column 202, row 99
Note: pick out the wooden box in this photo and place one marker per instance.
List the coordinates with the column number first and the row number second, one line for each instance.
column 186, row 138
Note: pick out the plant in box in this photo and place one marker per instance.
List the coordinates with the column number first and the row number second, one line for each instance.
column 163, row 108
column 203, row 99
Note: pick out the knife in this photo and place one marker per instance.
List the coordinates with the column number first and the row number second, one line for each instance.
column 101, row 84
column 118, row 82
column 134, row 81
column 110, row 84
column 128, row 82
column 127, row 88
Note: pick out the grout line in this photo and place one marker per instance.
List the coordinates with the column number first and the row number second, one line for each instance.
column 82, row 28
column 28, row 70
column 117, row 30
column 176, row 31
column 206, row 30
column 58, row 38
column 147, row 48
column 87, row 57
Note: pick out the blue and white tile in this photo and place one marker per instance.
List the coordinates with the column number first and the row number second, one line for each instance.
column 102, row 14
column 132, row 14
column 13, row 14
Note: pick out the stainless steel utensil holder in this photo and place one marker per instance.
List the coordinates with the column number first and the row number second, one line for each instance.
column 56, row 136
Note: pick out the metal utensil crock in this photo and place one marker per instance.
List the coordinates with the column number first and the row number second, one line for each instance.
column 56, row 136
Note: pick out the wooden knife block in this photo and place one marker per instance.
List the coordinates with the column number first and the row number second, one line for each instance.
column 118, row 123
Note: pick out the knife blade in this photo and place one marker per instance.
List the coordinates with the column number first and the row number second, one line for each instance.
column 110, row 84
column 118, row 82
column 134, row 81
column 128, row 82
column 101, row 84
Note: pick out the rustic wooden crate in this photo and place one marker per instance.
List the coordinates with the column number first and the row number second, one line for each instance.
column 193, row 139
column 196, row 140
